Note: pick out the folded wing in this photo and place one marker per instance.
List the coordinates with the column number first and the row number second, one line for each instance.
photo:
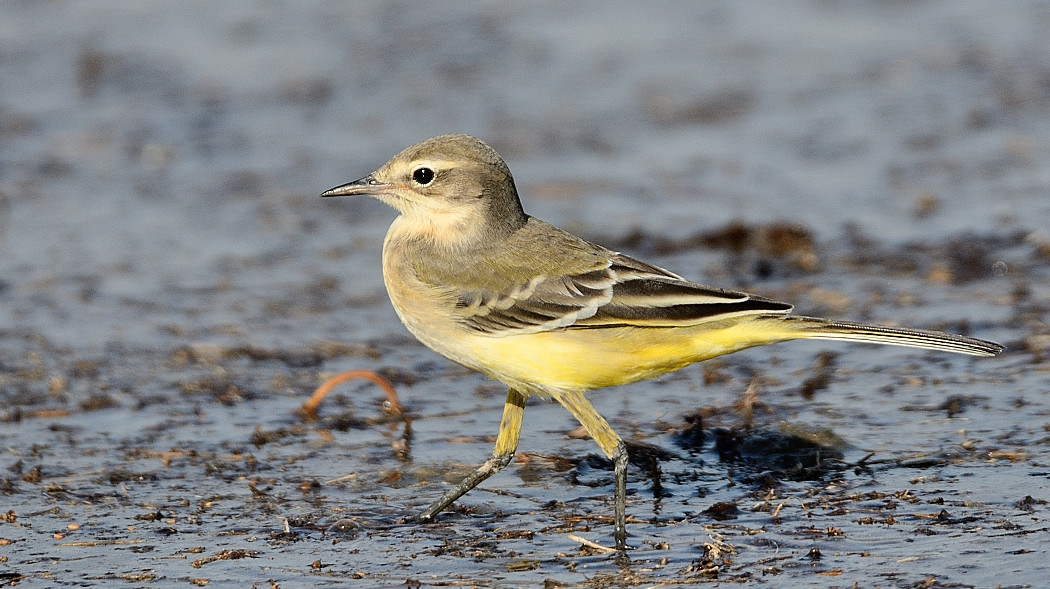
column 625, row 292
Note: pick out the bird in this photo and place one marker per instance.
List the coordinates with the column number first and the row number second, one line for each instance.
column 551, row 315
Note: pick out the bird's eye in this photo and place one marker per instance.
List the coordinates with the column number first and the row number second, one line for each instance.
column 423, row 176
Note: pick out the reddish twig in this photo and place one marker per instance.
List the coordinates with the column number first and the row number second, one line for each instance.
column 393, row 404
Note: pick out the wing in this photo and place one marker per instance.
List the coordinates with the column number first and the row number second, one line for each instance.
column 617, row 291
column 647, row 296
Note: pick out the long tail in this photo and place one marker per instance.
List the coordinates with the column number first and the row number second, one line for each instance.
column 814, row 328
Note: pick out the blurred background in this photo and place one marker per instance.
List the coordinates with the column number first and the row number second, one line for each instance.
column 155, row 149
column 165, row 259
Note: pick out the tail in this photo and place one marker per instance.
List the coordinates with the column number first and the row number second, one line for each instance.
column 813, row 328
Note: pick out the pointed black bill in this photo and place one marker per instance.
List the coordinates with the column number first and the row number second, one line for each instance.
column 366, row 185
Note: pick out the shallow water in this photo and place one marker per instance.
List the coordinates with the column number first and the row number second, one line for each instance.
column 172, row 289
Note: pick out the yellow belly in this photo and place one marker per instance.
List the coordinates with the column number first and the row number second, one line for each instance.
column 585, row 359
column 570, row 359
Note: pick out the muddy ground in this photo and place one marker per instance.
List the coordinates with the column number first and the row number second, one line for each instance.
column 172, row 289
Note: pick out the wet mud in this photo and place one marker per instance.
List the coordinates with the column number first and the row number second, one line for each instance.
column 172, row 291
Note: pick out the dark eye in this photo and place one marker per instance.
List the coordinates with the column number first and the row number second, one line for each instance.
column 423, row 176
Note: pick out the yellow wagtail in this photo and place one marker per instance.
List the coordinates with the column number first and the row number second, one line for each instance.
column 480, row 282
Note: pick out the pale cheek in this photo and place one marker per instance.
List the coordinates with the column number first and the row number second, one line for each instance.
column 445, row 228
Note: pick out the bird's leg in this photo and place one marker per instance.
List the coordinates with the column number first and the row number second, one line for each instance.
column 614, row 448
column 619, row 459
column 506, row 444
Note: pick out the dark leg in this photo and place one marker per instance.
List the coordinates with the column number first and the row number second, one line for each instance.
column 613, row 446
column 506, row 444
column 619, row 459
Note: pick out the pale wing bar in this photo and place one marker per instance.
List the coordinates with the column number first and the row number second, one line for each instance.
column 627, row 292
column 546, row 304
column 647, row 296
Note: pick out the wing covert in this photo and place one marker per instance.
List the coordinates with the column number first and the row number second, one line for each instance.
column 626, row 292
